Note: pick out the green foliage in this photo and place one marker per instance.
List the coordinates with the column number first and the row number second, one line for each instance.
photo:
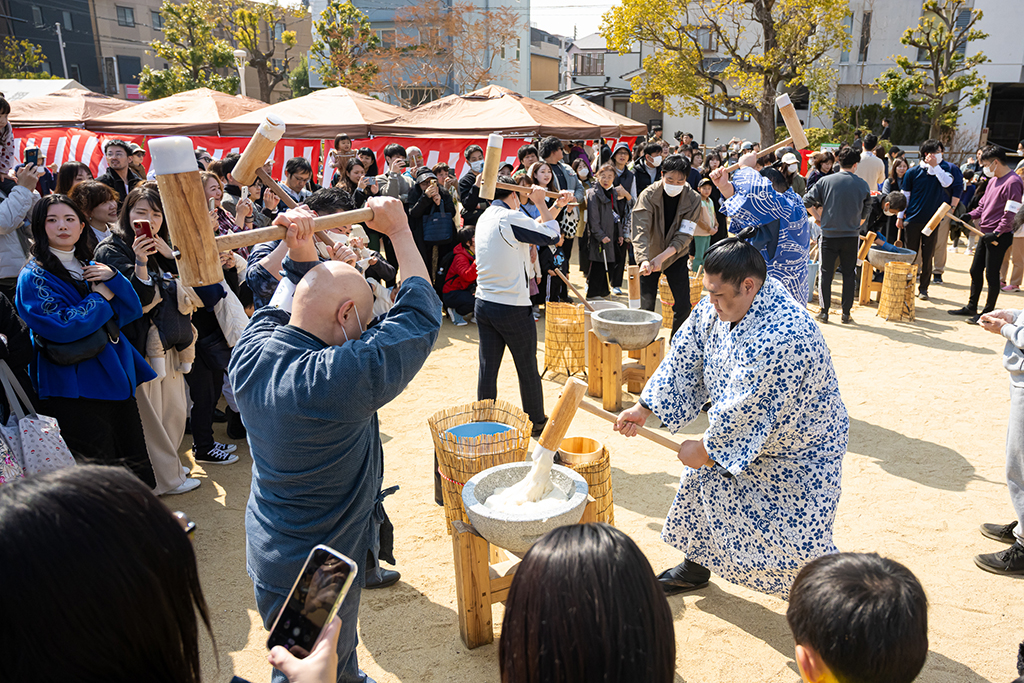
column 298, row 79
column 760, row 48
column 343, row 46
column 21, row 59
column 945, row 80
column 246, row 22
column 192, row 51
column 816, row 137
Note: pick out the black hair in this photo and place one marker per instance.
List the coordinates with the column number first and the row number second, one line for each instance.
column 930, row 146
column 525, row 151
column 328, row 200
column 585, row 606
column 504, row 194
column 652, row 148
column 41, row 243
column 895, row 150
column 122, row 587
column 549, row 146
column 228, row 163
column 897, row 201
column 367, row 152
column 857, row 133
column 870, row 141
column 885, row 119
column 735, row 260
column 339, row 137
column 349, row 165
column 5, row 106
column 466, row 235
column 67, row 173
column 118, row 143
column 123, row 228
column 994, row 152
column 687, row 134
column 297, row 165
column 394, row 150
column 675, row 163
column 848, row 157
column 468, row 152
column 968, row 174
column 778, row 181
column 866, row 616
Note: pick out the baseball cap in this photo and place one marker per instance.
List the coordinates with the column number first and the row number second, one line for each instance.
column 424, row 174
column 136, row 148
column 790, row 158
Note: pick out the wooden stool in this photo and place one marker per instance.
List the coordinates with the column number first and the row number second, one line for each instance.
column 867, row 271
column 606, row 373
column 483, row 575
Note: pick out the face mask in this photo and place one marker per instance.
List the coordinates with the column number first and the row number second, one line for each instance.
column 938, row 157
column 477, row 166
column 656, row 161
column 988, row 172
column 584, row 173
column 792, row 168
column 358, row 322
column 673, row 190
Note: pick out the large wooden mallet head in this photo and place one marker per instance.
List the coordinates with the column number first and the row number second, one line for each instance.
column 259, row 149
column 492, row 161
column 934, row 221
column 792, row 121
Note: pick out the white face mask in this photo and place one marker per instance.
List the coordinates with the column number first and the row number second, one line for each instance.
column 656, row 161
column 938, row 157
column 584, row 173
column 477, row 165
column 673, row 190
column 358, row 322
column 988, row 172
column 792, row 168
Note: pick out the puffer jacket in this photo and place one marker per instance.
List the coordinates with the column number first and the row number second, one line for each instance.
column 15, row 209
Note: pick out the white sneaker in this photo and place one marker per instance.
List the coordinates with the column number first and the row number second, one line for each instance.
column 226, row 447
column 189, row 484
column 186, row 470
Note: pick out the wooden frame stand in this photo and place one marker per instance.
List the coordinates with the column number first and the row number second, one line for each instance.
column 483, row 576
column 867, row 271
column 606, row 372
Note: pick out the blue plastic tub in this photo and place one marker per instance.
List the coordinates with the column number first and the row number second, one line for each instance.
column 474, row 429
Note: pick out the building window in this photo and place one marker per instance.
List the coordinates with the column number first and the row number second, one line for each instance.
column 66, row 20
column 844, row 56
column 128, row 69
column 279, row 32
column 386, row 36
column 519, row 45
column 45, row 67
column 37, row 15
column 707, row 39
column 588, row 64
column 125, row 16
column 418, row 96
column 503, row 52
column 865, row 38
column 621, row 107
column 74, row 72
column 962, row 21
column 157, row 20
column 432, row 36
column 735, row 116
column 277, row 64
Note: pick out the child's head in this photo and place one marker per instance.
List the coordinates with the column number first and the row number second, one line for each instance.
column 705, row 187
column 858, row 618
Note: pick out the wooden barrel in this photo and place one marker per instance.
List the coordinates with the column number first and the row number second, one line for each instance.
column 599, row 479
column 580, row 450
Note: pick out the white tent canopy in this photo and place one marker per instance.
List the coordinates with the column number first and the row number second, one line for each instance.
column 20, row 88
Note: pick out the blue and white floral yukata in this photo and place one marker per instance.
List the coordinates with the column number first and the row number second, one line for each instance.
column 778, row 432
column 785, row 236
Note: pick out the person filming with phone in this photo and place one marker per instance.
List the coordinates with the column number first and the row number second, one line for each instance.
column 314, row 438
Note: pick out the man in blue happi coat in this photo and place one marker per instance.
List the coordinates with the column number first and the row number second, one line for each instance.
column 309, row 380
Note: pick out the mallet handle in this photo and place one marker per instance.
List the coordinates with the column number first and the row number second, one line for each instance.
column 642, row 431
column 520, row 188
column 556, row 271
column 276, row 188
column 967, row 225
column 274, row 232
column 777, row 145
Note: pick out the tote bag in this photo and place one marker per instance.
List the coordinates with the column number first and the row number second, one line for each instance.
column 35, row 439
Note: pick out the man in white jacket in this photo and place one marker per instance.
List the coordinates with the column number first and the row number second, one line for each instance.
column 503, row 312
column 16, row 201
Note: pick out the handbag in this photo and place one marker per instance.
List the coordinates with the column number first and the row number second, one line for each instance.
column 73, row 353
column 438, row 226
column 33, row 439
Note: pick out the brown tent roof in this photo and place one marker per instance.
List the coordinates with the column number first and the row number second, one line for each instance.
column 489, row 110
column 62, row 109
column 612, row 124
column 196, row 112
column 321, row 114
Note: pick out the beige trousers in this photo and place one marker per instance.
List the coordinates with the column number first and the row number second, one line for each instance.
column 1015, row 252
column 941, row 247
column 163, row 405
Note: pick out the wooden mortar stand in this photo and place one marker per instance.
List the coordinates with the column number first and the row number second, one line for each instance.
column 867, row 271
column 606, row 372
column 633, row 275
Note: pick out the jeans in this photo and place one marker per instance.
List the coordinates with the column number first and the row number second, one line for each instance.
column 843, row 249
column 678, row 277
column 499, row 326
column 1015, row 458
column 269, row 603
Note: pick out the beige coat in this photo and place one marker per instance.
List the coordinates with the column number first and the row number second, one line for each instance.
column 650, row 235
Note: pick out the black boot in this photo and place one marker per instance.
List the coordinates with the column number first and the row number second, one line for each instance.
column 236, row 430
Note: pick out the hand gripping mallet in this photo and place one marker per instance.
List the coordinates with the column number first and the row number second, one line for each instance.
column 187, row 219
column 796, row 132
column 492, row 161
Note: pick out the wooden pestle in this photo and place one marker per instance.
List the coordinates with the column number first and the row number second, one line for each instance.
column 562, row 414
column 586, row 304
column 274, row 232
column 642, row 431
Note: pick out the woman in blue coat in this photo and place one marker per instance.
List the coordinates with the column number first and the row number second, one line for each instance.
column 65, row 297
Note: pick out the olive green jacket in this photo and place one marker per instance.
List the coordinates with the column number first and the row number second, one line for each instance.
column 651, row 236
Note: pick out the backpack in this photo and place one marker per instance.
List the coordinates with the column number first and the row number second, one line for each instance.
column 441, row 278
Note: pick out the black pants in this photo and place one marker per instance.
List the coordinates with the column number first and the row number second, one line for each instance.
column 985, row 268
column 103, row 433
column 204, row 386
column 584, row 239
column 512, row 326
column 924, row 245
column 678, row 276
column 616, row 269
column 462, row 300
column 843, row 249
column 597, row 278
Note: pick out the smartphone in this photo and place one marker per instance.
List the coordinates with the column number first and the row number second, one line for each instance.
column 142, row 228
column 314, row 600
column 32, row 156
column 213, row 203
column 245, row 192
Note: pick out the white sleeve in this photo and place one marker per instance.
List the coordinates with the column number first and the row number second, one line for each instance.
column 283, row 295
column 15, row 208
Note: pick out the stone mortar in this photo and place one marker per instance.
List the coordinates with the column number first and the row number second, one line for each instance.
column 630, row 328
column 517, row 532
column 879, row 258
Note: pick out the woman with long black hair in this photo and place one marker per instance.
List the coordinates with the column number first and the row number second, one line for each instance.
column 84, row 373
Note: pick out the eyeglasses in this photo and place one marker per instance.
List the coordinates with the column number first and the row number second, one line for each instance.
column 187, row 525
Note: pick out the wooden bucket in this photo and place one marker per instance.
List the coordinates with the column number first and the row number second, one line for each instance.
column 460, row 458
column 897, row 299
column 696, row 288
column 599, row 478
column 580, row 450
column 564, row 340
column 667, row 301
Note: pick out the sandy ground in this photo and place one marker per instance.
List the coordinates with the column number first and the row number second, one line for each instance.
column 928, row 404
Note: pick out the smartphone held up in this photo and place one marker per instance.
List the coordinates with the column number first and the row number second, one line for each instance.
column 313, row 602
column 142, row 228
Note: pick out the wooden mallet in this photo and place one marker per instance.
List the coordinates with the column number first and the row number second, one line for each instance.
column 796, row 132
column 492, row 162
column 188, row 221
column 946, row 210
column 249, row 166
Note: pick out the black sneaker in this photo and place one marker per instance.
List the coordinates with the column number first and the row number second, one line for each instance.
column 683, row 578
column 216, row 456
column 999, row 532
column 937, row 278
column 1008, row 562
column 973, row 320
column 923, row 296
column 966, row 311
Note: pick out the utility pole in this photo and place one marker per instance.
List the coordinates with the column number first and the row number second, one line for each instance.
column 60, row 41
